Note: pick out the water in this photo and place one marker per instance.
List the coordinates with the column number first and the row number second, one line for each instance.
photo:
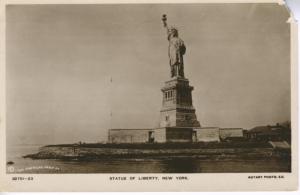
column 174, row 165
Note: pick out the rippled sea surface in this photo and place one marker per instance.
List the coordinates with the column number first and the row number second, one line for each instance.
column 170, row 165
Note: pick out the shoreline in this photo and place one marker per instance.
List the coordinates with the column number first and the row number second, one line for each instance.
column 210, row 151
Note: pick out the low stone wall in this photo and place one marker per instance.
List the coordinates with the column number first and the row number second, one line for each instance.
column 128, row 135
column 207, row 134
column 118, row 136
column 231, row 133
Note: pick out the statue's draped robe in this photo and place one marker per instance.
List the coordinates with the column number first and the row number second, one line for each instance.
column 176, row 52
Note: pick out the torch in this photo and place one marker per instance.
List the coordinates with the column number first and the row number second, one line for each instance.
column 164, row 19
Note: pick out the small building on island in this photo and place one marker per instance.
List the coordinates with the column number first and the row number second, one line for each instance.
column 278, row 132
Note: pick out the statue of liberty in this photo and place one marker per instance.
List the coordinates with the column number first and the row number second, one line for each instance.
column 176, row 50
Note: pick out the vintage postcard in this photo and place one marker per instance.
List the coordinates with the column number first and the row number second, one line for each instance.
column 148, row 96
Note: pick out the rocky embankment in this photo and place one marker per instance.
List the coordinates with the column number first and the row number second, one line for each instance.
column 94, row 152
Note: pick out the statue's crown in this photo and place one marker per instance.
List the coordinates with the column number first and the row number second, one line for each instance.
column 172, row 30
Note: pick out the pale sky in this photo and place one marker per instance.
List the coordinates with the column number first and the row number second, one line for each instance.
column 61, row 60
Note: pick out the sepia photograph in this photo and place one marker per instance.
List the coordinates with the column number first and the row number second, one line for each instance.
column 152, row 88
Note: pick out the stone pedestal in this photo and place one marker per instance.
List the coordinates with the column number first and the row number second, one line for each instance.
column 177, row 107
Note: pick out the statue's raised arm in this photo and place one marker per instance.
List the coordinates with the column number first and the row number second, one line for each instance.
column 176, row 50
